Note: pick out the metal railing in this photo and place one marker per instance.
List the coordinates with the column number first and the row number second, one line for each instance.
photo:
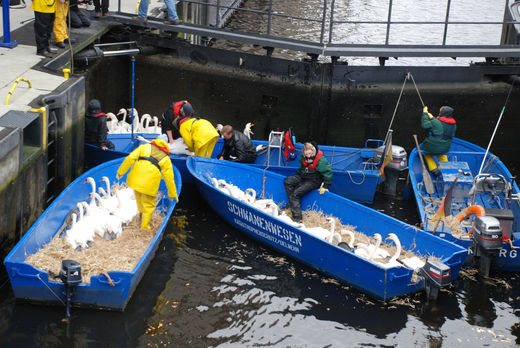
column 328, row 23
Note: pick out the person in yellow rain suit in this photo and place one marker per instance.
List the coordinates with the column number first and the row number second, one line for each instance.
column 60, row 23
column 199, row 135
column 148, row 162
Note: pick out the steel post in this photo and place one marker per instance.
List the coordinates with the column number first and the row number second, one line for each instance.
column 217, row 16
column 387, row 39
column 7, row 27
column 269, row 17
column 448, row 5
column 133, row 90
column 331, row 19
column 323, row 20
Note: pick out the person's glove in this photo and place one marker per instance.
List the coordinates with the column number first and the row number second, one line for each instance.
column 322, row 189
column 175, row 200
column 118, row 177
column 425, row 109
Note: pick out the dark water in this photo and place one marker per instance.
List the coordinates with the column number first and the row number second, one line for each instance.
column 211, row 286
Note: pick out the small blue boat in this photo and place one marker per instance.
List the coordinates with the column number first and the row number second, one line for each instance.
column 494, row 189
column 33, row 284
column 370, row 277
column 356, row 174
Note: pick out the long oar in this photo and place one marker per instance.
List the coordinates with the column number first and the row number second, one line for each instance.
column 428, row 183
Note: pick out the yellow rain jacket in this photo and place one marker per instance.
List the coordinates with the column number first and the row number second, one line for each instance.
column 145, row 177
column 45, row 6
column 197, row 133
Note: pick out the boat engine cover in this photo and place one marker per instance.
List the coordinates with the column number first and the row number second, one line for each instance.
column 437, row 273
column 399, row 157
column 487, row 234
column 70, row 273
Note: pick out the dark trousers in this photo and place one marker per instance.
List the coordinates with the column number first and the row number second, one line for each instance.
column 101, row 6
column 78, row 18
column 296, row 187
column 43, row 23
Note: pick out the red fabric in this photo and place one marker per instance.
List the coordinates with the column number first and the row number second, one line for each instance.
column 315, row 162
column 183, row 120
column 448, row 120
column 289, row 146
column 100, row 114
column 177, row 107
column 163, row 149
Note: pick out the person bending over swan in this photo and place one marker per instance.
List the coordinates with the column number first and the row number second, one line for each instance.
column 149, row 162
column 199, row 135
column 314, row 172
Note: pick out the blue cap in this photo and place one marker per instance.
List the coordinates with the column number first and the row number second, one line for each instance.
column 188, row 110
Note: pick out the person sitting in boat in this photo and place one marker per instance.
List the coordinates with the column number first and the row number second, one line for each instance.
column 199, row 135
column 176, row 109
column 314, row 172
column 96, row 129
column 441, row 130
column 237, row 146
column 149, row 162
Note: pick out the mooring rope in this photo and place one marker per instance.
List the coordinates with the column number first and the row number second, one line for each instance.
column 416, row 88
column 397, row 104
column 38, row 276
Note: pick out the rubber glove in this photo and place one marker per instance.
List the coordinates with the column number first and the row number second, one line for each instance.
column 425, row 109
column 118, row 177
column 322, row 189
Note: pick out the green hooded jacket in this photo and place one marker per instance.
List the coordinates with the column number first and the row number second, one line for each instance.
column 438, row 141
column 323, row 167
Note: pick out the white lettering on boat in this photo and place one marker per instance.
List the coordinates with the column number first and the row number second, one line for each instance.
column 503, row 253
column 276, row 233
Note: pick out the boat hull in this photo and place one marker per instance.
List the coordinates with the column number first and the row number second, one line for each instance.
column 32, row 284
column 507, row 259
column 369, row 277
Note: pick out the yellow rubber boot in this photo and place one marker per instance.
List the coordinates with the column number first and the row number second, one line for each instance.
column 430, row 162
column 60, row 25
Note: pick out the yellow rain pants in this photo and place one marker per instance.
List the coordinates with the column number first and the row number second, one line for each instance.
column 430, row 161
column 207, row 149
column 146, row 206
column 60, row 21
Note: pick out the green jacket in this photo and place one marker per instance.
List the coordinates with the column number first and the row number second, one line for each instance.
column 441, row 130
column 323, row 170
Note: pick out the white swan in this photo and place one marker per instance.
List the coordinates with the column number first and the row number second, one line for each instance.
column 413, row 262
column 92, row 183
column 81, row 234
column 332, row 228
column 157, row 129
column 179, row 147
column 111, row 122
column 247, row 130
column 250, row 195
column 350, row 244
column 111, row 223
column 371, row 251
column 94, row 219
column 392, row 262
column 127, row 209
column 136, row 126
column 71, row 233
column 219, row 127
column 123, row 126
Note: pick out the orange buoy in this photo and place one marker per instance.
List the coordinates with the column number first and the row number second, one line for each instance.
column 478, row 210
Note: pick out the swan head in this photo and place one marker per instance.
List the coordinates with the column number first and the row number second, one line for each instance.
column 393, row 236
column 92, row 182
column 80, row 209
column 107, row 182
column 102, row 192
column 122, row 111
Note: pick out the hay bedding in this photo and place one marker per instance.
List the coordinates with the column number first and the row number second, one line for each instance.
column 315, row 218
column 120, row 254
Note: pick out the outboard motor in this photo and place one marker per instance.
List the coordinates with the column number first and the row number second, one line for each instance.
column 70, row 275
column 487, row 241
column 394, row 169
column 436, row 275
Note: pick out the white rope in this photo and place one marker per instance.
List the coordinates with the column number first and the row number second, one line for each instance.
column 357, row 183
column 397, row 104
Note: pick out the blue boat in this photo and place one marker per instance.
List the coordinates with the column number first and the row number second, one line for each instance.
column 32, row 284
column 356, row 174
column 370, row 277
column 494, row 189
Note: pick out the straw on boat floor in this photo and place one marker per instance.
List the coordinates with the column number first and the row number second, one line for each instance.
column 120, row 254
column 316, row 218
